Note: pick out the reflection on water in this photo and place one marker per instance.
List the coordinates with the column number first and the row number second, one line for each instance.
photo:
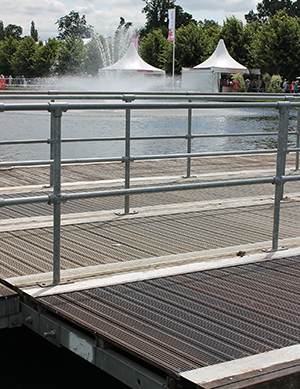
column 90, row 124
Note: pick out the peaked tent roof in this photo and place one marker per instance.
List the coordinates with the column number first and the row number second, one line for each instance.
column 221, row 61
column 131, row 61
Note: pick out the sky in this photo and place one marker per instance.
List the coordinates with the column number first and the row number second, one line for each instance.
column 104, row 15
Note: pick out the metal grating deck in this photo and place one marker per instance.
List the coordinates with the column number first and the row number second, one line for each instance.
column 90, row 244
column 185, row 322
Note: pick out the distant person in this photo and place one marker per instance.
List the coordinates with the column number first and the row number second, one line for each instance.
column 297, row 87
column 286, row 88
column 284, row 84
column 247, row 84
column 292, row 87
column 235, row 85
column 24, row 81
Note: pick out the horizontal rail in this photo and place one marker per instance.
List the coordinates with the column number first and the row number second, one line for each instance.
column 133, row 191
column 64, row 106
column 140, row 157
column 73, row 140
column 57, row 95
column 20, row 142
column 51, row 199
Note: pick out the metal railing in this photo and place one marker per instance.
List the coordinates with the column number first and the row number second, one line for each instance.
column 58, row 109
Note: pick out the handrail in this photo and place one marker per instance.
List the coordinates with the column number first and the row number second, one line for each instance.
column 57, row 110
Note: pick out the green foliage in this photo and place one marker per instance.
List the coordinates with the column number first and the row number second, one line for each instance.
column 237, row 40
column 46, row 55
column 7, row 48
column 152, row 47
column 34, row 32
column 183, row 18
column 2, row 31
column 269, row 8
column 156, row 12
column 191, row 48
column 92, row 57
column 73, row 24
column 266, row 77
column 239, row 77
column 70, row 56
column 14, row 31
column 211, row 30
column 22, row 61
column 275, row 84
column 276, row 48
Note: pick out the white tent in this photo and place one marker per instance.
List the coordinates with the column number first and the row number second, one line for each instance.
column 205, row 77
column 132, row 63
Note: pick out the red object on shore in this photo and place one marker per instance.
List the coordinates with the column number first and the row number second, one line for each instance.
column 2, row 83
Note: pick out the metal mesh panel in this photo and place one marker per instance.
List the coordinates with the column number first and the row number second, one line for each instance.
column 188, row 321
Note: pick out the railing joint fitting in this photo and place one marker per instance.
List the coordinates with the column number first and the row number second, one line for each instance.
column 50, row 141
column 127, row 159
column 278, row 180
column 57, row 108
column 55, row 199
column 128, row 98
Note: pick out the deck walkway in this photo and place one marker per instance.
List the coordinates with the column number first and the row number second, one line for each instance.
column 202, row 247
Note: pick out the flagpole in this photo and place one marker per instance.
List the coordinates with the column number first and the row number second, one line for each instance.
column 173, row 65
column 171, row 37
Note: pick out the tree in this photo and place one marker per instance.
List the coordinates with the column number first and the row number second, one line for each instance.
column 70, row 56
column 22, row 61
column 235, row 39
column 7, row 48
column 14, row 31
column 190, row 48
column 73, row 24
column 34, row 32
column 46, row 55
column 276, row 46
column 152, row 47
column 211, row 30
column 268, row 8
column 2, row 31
column 183, row 18
column 156, row 12
column 92, row 56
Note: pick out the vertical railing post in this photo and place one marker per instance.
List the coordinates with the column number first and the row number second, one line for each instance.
column 298, row 139
column 189, row 143
column 280, row 168
column 51, row 145
column 57, row 114
column 127, row 159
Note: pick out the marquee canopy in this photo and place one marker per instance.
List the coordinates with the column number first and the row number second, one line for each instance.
column 132, row 62
column 222, row 62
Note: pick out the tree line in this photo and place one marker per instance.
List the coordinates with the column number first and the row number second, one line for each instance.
column 270, row 40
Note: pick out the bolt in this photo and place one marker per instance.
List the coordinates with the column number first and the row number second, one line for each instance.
column 14, row 321
column 29, row 319
column 50, row 334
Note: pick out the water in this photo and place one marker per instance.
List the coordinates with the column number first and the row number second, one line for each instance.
column 78, row 124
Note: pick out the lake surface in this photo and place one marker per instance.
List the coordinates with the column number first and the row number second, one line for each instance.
column 90, row 124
